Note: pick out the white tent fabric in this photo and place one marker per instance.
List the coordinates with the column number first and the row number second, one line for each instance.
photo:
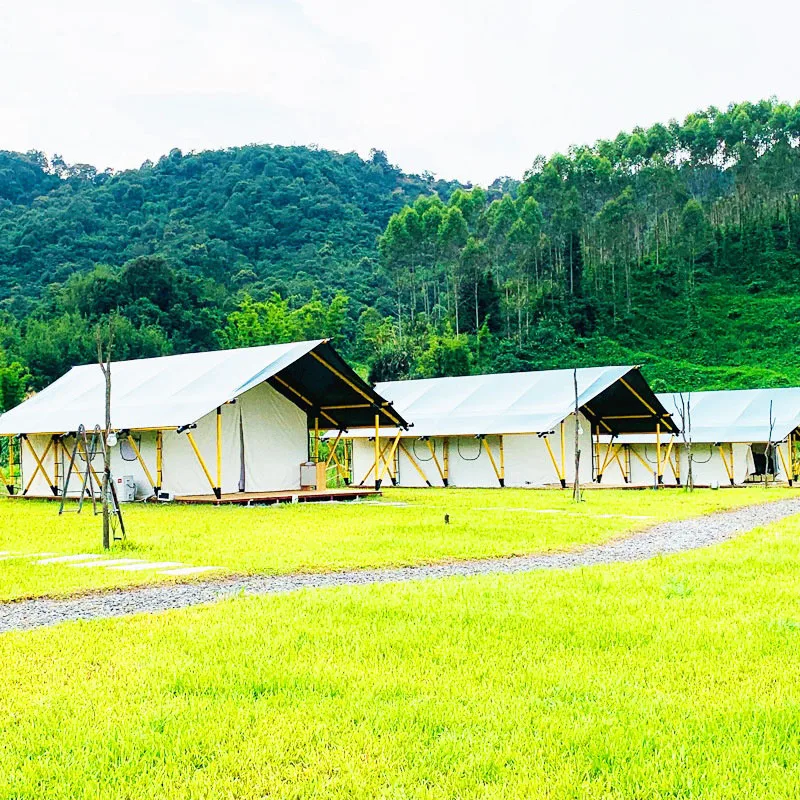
column 165, row 392
column 516, row 402
column 739, row 415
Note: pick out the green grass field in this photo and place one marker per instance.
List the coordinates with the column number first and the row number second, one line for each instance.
column 406, row 527
column 673, row 678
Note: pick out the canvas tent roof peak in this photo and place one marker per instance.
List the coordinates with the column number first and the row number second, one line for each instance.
column 735, row 415
column 617, row 398
column 175, row 391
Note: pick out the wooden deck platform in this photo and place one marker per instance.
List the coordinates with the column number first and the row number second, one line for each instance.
column 266, row 498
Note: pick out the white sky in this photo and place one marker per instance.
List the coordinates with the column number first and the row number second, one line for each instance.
column 469, row 89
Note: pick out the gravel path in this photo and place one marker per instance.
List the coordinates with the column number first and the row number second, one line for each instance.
column 661, row 539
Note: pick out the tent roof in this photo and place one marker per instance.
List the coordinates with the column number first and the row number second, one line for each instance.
column 173, row 391
column 740, row 415
column 616, row 398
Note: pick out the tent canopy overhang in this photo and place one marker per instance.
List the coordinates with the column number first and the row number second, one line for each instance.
column 174, row 392
column 614, row 400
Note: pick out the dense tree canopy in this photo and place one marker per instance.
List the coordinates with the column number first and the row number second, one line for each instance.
column 675, row 246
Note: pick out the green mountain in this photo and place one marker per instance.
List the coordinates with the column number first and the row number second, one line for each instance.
column 675, row 246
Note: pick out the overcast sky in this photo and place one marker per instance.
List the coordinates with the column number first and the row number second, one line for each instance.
column 469, row 90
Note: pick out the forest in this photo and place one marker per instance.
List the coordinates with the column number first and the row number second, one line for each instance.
column 675, row 246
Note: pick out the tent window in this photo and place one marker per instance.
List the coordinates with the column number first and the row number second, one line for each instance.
column 762, row 465
column 126, row 451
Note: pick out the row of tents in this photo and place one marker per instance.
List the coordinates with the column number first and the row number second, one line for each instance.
column 239, row 423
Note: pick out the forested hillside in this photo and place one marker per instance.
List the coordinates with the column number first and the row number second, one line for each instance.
column 675, row 246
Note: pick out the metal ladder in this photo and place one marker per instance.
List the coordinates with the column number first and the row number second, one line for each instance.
column 91, row 446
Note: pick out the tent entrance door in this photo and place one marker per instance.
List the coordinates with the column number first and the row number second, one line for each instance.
column 763, row 463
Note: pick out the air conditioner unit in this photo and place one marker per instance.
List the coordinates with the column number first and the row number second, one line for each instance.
column 308, row 475
column 126, row 488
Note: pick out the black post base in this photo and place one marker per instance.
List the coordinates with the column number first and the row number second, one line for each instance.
column 563, row 483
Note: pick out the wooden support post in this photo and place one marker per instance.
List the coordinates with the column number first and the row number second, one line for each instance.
column 728, row 469
column 414, row 463
column 491, row 458
column 332, row 452
column 11, row 483
column 387, row 461
column 783, row 462
column 377, row 450
column 648, row 467
column 599, row 470
column 555, row 463
column 442, row 474
column 446, row 460
column 733, row 470
column 206, row 471
column 562, row 474
column 39, row 466
column 660, row 469
column 159, row 461
column 316, row 439
column 606, row 460
column 616, row 457
column 502, row 462
column 141, row 461
column 372, row 466
column 218, row 489
column 56, row 465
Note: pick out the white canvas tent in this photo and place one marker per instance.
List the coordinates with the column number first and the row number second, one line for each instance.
column 730, row 433
column 513, row 429
column 203, row 423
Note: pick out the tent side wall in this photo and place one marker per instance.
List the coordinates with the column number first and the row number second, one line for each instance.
column 40, row 487
column 526, row 459
column 274, row 431
column 708, row 464
column 275, row 435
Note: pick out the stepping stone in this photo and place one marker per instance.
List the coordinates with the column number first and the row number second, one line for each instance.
column 148, row 565
column 113, row 562
column 187, row 570
column 67, row 559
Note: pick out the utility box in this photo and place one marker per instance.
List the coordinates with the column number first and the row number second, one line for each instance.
column 126, row 488
column 313, row 475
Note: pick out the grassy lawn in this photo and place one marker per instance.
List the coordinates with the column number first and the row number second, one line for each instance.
column 406, row 527
column 671, row 678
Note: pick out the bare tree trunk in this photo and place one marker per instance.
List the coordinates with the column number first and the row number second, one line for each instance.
column 104, row 359
column 685, row 413
column 770, row 454
column 576, row 487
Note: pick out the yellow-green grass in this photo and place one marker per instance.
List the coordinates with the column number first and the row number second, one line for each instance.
column 332, row 536
column 670, row 678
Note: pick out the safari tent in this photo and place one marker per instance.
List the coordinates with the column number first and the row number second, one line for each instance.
column 737, row 436
column 513, row 429
column 217, row 424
